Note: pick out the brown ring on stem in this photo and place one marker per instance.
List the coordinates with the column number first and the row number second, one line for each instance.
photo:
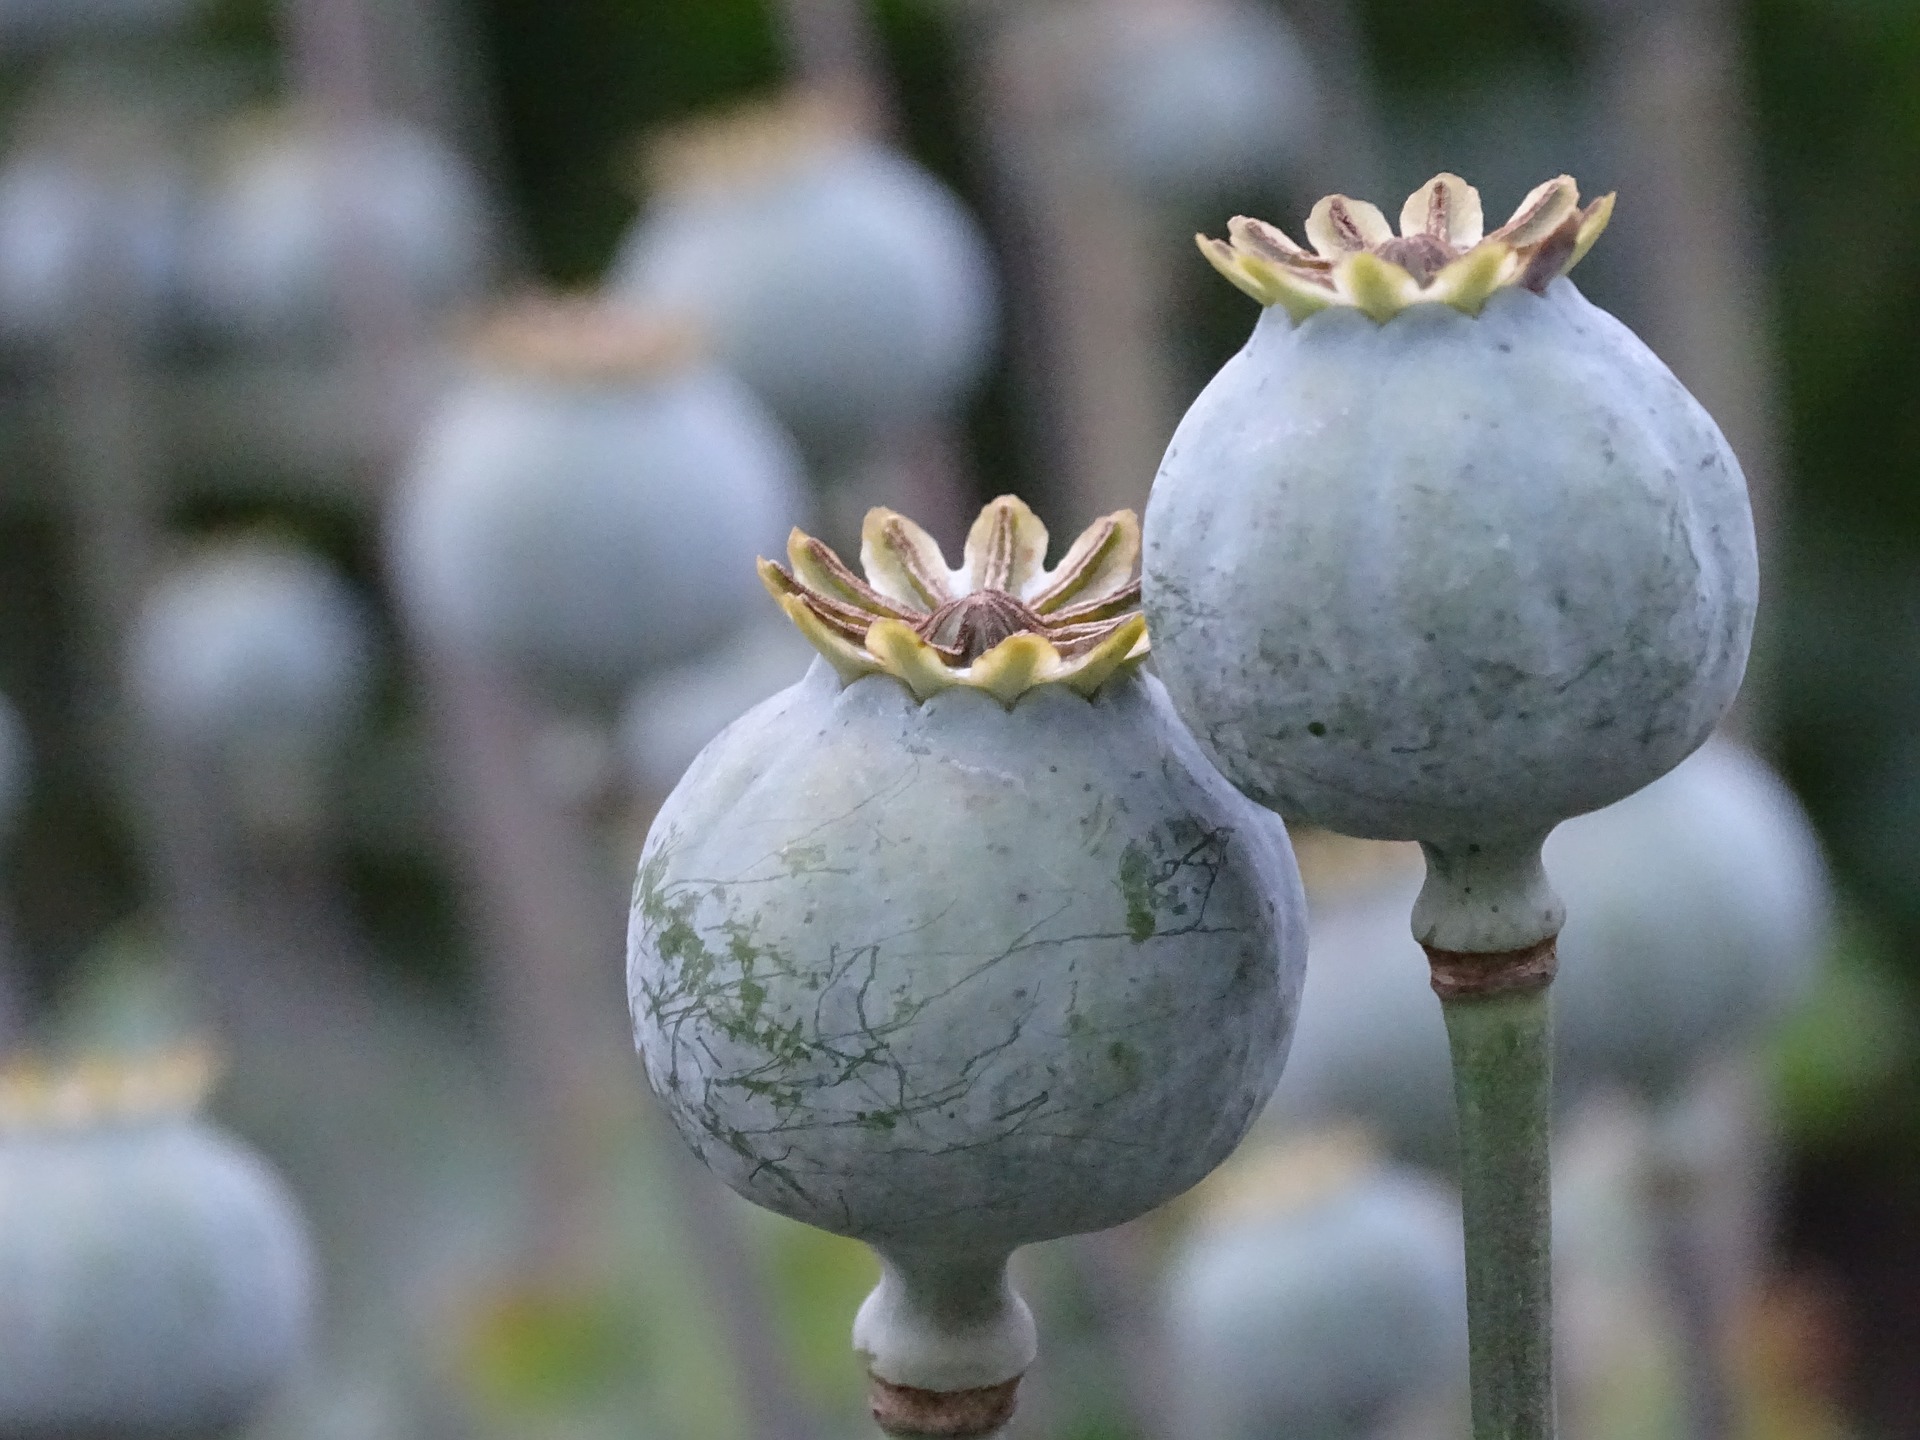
column 960, row 1414
column 1468, row 974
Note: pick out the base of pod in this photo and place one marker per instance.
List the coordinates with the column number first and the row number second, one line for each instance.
column 945, row 1340
column 965, row 1414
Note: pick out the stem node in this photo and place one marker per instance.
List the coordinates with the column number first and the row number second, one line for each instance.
column 1467, row 974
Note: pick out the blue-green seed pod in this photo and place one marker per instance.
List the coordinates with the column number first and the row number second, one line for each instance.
column 841, row 281
column 251, row 637
column 1445, row 553
column 1201, row 100
column 959, row 943
column 297, row 209
column 155, row 1277
column 1323, row 1302
column 586, row 503
column 1697, row 913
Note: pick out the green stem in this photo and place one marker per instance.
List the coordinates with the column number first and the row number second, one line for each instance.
column 1502, row 1074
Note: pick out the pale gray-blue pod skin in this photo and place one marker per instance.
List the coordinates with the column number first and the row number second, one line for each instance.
column 1448, row 578
column 951, row 975
column 1697, row 916
column 297, row 200
column 670, row 717
column 588, row 532
column 250, row 638
column 855, row 294
column 155, row 1281
column 1371, row 1045
column 1317, row 1324
column 1196, row 105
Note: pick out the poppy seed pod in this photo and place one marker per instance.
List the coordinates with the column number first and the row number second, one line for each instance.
column 1697, row 912
column 1202, row 98
column 1445, row 553
column 297, row 205
column 585, row 503
column 959, row 943
column 670, row 717
column 841, row 281
column 1320, row 1295
column 251, row 636
column 63, row 216
column 155, row 1277
column 252, row 661
column 1370, row 1048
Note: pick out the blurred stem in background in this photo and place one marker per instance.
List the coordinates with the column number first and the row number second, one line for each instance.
column 1119, row 1272
column 1346, row 160
column 12, row 1002
column 15, row 767
column 1705, row 1175
column 1091, row 280
column 537, row 941
column 832, row 46
column 548, row 937
column 1673, row 84
column 112, row 480
column 553, row 992
column 329, row 46
column 111, row 485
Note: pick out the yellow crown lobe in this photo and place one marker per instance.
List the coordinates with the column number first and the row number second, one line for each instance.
column 752, row 142
column 1002, row 622
column 1276, row 1179
column 1441, row 255
column 40, row 1095
column 582, row 339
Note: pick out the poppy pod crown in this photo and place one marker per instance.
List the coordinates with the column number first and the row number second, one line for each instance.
column 752, row 142
column 1002, row 622
column 583, row 340
column 1442, row 254
column 40, row 1096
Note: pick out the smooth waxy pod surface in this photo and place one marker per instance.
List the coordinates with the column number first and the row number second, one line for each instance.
column 65, row 210
column 1319, row 1295
column 301, row 213
column 1445, row 553
column 155, row 1277
column 586, row 502
column 841, row 281
column 1199, row 100
column 252, row 660
column 959, row 943
column 248, row 636
column 1697, row 912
